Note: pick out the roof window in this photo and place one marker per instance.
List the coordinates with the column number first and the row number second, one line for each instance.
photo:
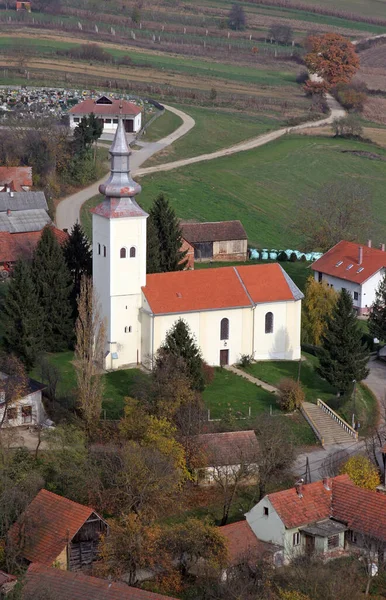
column 360, row 270
column 349, row 267
column 339, row 263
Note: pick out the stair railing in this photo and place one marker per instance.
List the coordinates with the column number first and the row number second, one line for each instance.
column 312, row 424
column 337, row 418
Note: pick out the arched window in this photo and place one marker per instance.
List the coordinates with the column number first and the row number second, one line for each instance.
column 104, row 251
column 133, row 252
column 123, row 253
column 224, row 329
column 99, row 248
column 269, row 322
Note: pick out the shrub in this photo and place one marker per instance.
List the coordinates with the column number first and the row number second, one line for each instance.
column 348, row 127
column 362, row 472
column 293, row 257
column 246, row 360
column 351, row 96
column 282, row 256
column 291, row 394
column 303, row 258
column 208, row 372
column 302, row 77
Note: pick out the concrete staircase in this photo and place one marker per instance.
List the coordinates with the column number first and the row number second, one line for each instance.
column 327, row 425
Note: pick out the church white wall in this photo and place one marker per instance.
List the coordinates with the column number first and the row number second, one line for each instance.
column 101, row 266
column 284, row 341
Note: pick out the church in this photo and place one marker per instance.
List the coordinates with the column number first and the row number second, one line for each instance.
column 253, row 309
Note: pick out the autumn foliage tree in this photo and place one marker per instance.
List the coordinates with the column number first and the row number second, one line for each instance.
column 318, row 304
column 332, row 57
column 362, row 472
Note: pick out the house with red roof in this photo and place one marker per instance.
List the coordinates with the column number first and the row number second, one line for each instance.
column 231, row 311
column 355, row 267
column 327, row 517
column 55, row 531
column 15, row 179
column 109, row 111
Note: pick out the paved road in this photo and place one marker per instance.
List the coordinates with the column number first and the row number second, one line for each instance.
column 68, row 210
column 376, row 381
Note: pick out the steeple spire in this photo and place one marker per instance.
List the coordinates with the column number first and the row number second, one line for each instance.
column 120, row 184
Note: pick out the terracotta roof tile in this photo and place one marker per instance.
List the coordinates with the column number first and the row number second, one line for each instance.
column 314, row 505
column 67, row 585
column 213, row 232
column 229, row 448
column 89, row 106
column 15, row 246
column 49, row 522
column 16, row 177
column 337, row 260
column 362, row 510
column 243, row 544
column 224, row 287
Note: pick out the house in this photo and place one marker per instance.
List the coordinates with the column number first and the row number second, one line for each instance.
column 55, row 531
column 328, row 517
column 15, row 179
column 356, row 268
column 28, row 410
column 224, row 454
column 66, row 585
column 109, row 111
column 218, row 241
column 231, row 311
column 23, row 6
column 243, row 546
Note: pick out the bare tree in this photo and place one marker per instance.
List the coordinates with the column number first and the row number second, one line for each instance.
column 332, row 464
column 337, row 211
column 89, row 355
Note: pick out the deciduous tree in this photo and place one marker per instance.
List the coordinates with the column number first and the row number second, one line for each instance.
column 23, row 317
column 318, row 304
column 283, row 34
column 53, row 286
column 362, row 472
column 332, row 57
column 349, row 126
column 343, row 357
column 236, row 17
column 169, row 235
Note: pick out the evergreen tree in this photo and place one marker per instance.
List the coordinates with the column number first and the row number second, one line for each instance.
column 23, row 317
column 169, row 234
column 153, row 253
column 87, row 132
column 343, row 357
column 377, row 318
column 78, row 257
column 53, row 285
column 180, row 343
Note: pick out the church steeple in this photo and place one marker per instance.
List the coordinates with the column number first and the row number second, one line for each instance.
column 120, row 189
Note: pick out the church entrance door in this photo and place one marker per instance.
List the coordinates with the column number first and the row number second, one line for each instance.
column 224, row 357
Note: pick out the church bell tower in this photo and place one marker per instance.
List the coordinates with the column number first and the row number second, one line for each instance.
column 119, row 257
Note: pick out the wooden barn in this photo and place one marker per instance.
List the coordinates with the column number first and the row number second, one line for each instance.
column 218, row 241
column 55, row 531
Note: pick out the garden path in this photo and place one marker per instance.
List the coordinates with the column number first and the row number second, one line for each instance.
column 258, row 382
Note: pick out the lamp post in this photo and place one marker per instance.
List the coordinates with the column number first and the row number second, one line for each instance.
column 354, row 393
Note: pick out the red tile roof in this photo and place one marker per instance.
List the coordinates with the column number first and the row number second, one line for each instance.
column 224, row 287
column 213, row 232
column 90, row 106
column 344, row 254
column 243, row 544
column 49, row 523
column 230, row 448
column 67, row 585
column 362, row 510
column 5, row 578
column 16, row 177
column 314, row 505
column 15, row 246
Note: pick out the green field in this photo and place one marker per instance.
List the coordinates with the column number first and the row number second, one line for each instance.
column 163, row 125
column 215, row 129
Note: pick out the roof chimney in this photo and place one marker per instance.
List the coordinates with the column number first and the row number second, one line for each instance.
column 383, row 247
column 360, row 255
column 326, row 483
column 299, row 488
column 369, row 243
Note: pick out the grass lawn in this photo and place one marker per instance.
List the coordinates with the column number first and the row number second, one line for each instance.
column 212, row 132
column 229, row 392
column 298, row 271
column 366, row 409
column 260, row 187
column 165, row 124
column 273, row 371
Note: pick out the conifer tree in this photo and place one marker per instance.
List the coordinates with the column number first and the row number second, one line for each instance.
column 180, row 343
column 78, row 257
column 153, row 253
column 377, row 318
column 53, row 285
column 343, row 357
column 23, row 317
column 169, row 234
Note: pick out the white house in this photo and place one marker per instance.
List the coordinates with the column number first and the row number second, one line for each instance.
column 231, row 310
column 28, row 410
column 109, row 111
column 356, row 268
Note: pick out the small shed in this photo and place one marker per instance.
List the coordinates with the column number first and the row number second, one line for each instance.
column 217, row 241
column 109, row 111
column 55, row 531
column 28, row 410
